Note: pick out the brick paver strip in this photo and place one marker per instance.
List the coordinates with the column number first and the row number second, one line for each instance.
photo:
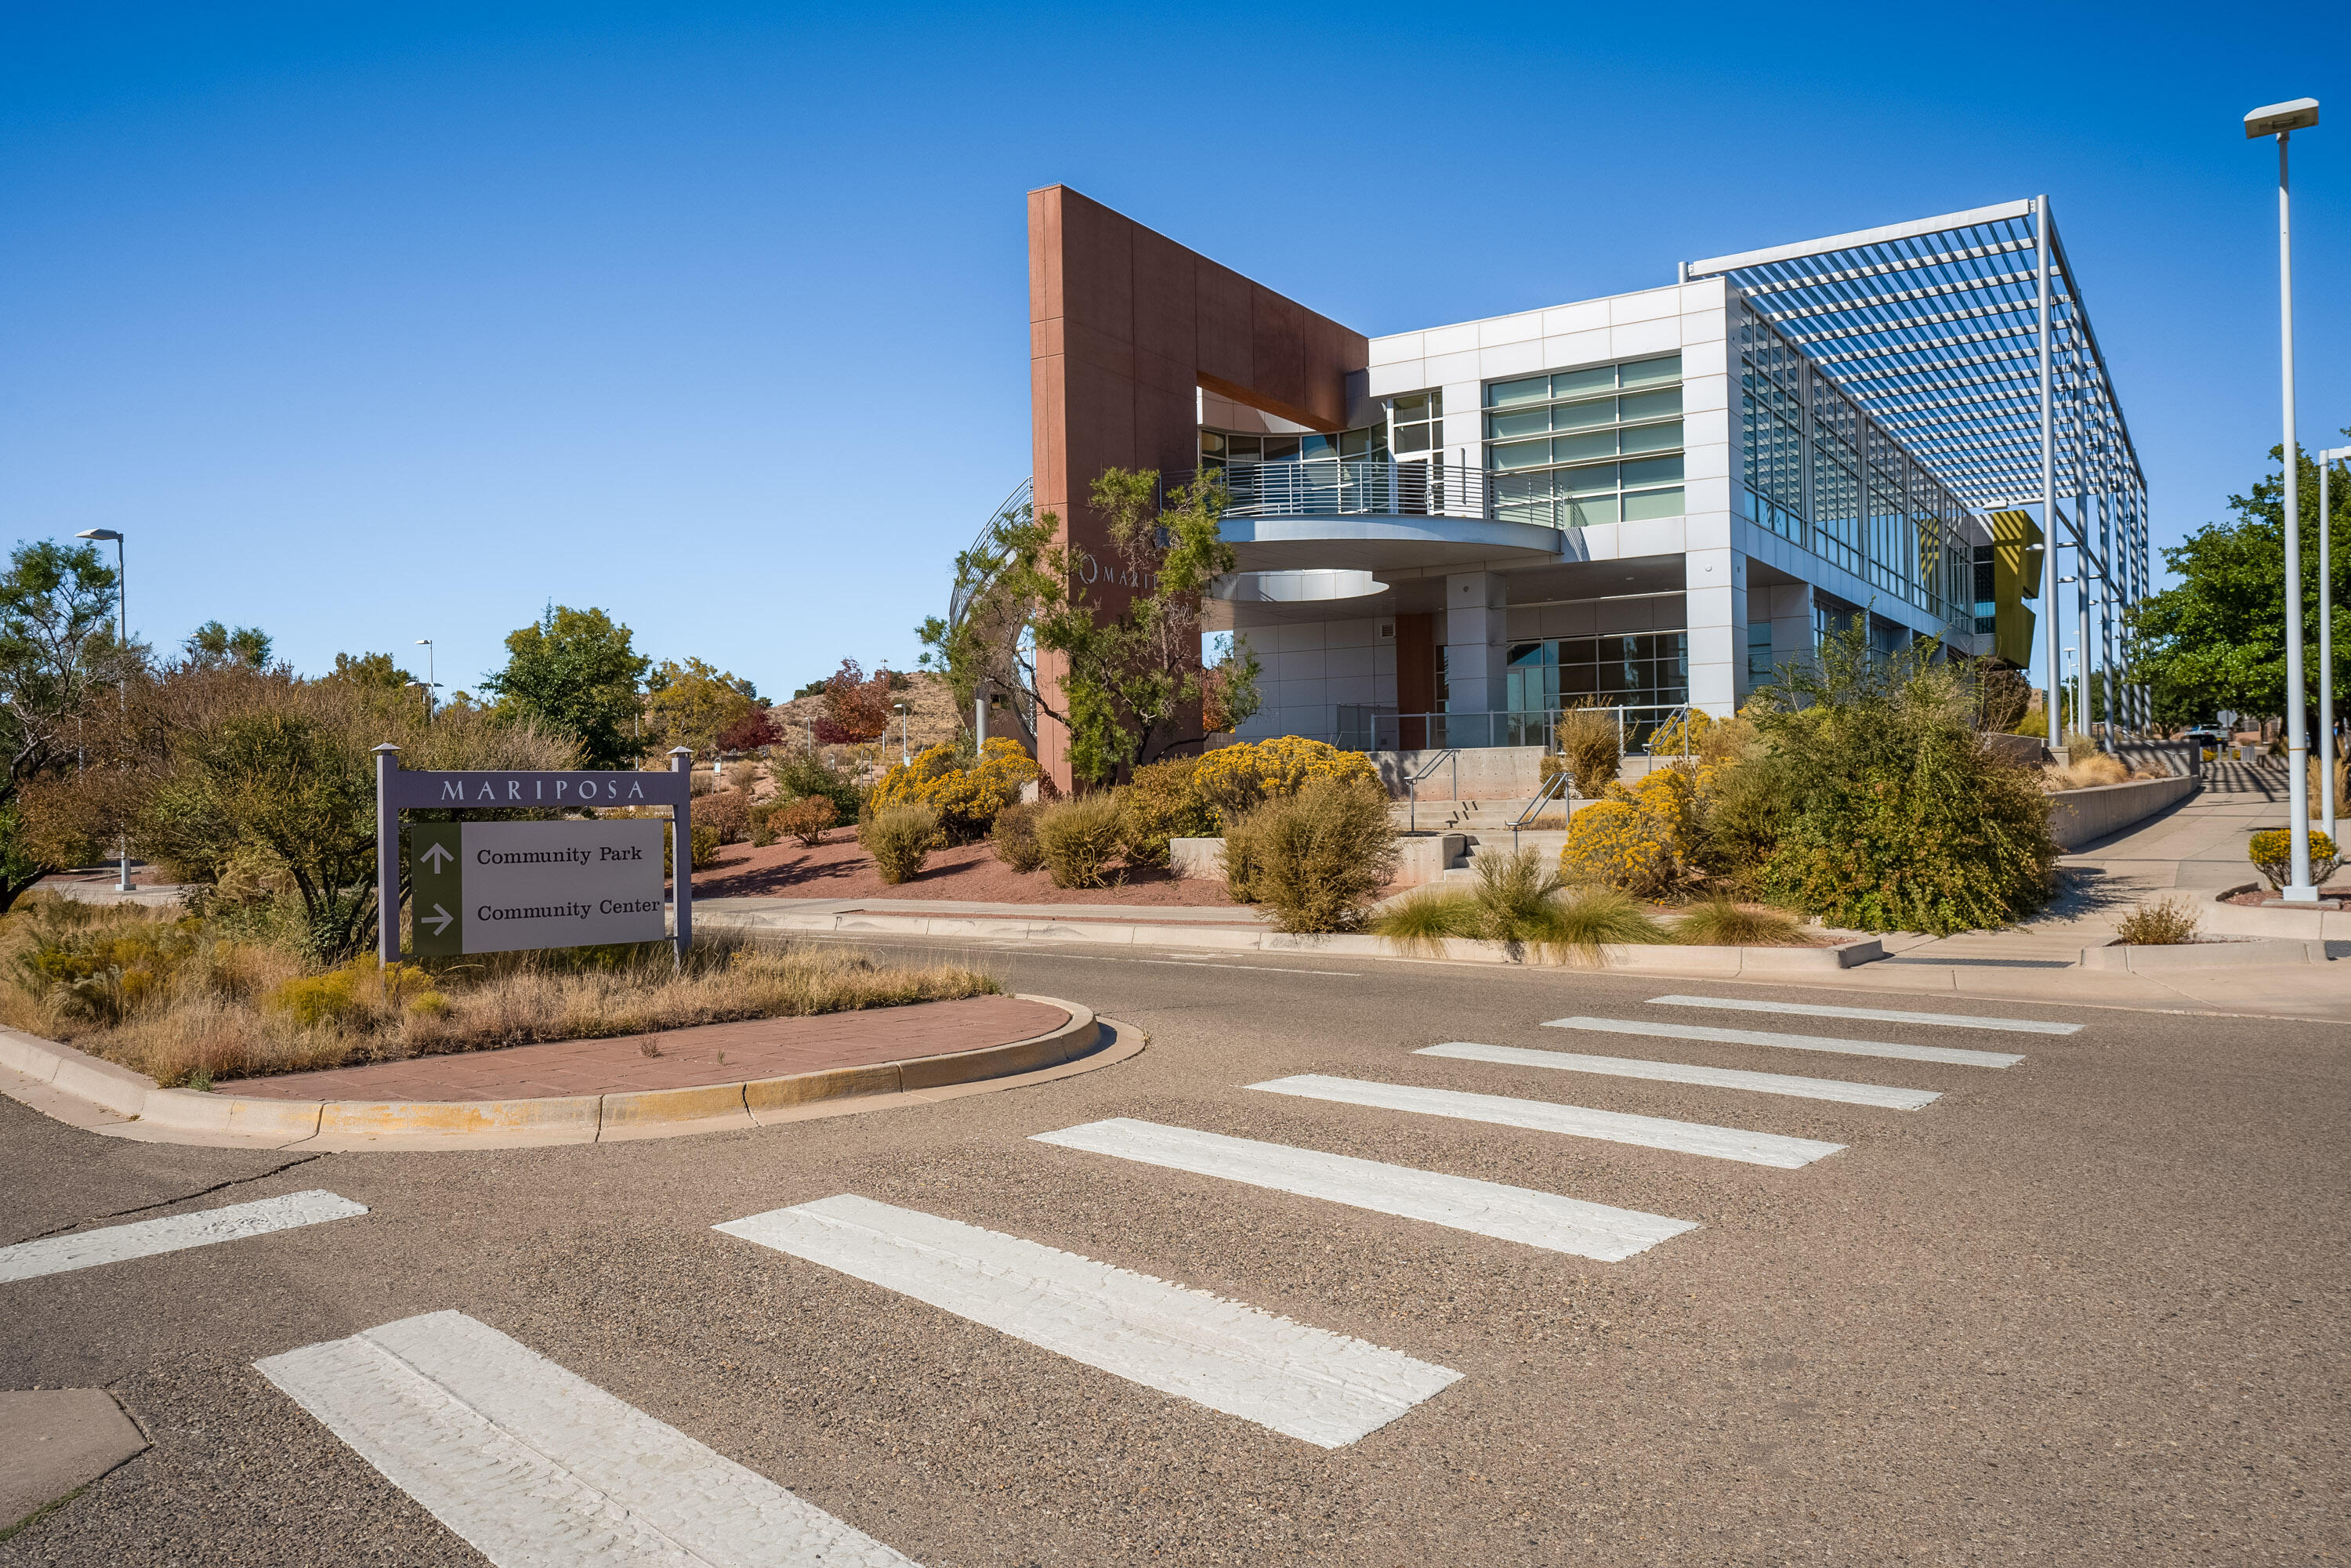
column 756, row 1047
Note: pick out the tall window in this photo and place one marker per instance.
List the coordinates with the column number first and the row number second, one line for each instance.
column 1640, row 669
column 1417, row 423
column 1598, row 445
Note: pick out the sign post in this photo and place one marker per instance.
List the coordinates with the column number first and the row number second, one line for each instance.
column 487, row 886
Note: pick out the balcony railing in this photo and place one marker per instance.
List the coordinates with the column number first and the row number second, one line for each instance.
column 1363, row 728
column 1434, row 484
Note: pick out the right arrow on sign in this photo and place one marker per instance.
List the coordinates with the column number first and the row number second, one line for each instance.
column 440, row 918
column 446, row 857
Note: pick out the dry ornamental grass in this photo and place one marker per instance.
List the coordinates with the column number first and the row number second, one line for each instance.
column 161, row 994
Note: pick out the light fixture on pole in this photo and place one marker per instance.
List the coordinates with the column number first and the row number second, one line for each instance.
column 2281, row 121
column 122, row 636
column 432, row 685
column 906, row 750
column 2327, row 748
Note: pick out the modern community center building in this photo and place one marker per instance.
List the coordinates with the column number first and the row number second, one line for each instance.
column 1650, row 500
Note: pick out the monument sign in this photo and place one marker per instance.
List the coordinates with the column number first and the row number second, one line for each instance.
column 500, row 886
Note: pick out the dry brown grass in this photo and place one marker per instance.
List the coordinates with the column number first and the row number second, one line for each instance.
column 158, row 993
column 2161, row 922
column 2088, row 772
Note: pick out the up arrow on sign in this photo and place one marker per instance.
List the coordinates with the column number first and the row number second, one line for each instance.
column 440, row 854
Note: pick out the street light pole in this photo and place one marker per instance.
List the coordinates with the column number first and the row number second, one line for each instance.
column 432, row 686
column 905, row 750
column 122, row 648
column 2281, row 121
column 2326, row 746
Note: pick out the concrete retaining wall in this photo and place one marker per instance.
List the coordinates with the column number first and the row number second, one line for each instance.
column 2079, row 817
column 1486, row 773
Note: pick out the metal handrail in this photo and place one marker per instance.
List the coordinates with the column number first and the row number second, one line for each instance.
column 1412, row 786
column 1449, row 483
column 1558, row 779
column 1370, row 727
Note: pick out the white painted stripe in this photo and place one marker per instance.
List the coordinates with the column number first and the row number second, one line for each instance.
column 1791, row 1042
column 173, row 1233
column 1575, row 1120
column 536, row 1468
column 1489, row 1209
column 1875, row 1015
column 1323, row 1387
column 1835, row 1088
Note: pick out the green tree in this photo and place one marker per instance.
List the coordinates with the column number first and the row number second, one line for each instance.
column 2217, row 639
column 214, row 644
column 370, row 672
column 577, row 671
column 1133, row 686
column 693, row 702
column 59, row 648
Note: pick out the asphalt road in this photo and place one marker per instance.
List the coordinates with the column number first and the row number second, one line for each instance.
column 2086, row 1310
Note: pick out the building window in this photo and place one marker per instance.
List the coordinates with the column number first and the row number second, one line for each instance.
column 1641, row 669
column 1987, row 606
column 1759, row 668
column 1597, row 445
column 1417, row 423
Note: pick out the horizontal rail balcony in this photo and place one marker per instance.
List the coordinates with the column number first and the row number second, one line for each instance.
column 1369, row 513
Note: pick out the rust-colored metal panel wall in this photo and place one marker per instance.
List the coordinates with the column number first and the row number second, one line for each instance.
column 1124, row 325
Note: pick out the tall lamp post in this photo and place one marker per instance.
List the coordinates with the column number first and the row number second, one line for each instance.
column 432, row 686
column 2281, row 121
column 123, row 635
column 905, row 749
column 2326, row 748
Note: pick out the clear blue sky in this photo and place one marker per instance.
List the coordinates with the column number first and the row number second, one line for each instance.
column 373, row 324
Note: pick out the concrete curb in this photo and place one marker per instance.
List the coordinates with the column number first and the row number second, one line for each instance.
column 209, row 1118
column 1120, row 934
column 2145, row 960
column 2220, row 918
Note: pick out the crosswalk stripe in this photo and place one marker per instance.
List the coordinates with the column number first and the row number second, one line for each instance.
column 1791, row 1042
column 172, row 1233
column 1323, row 1387
column 1876, row 1094
column 1875, row 1015
column 1576, row 1121
column 536, row 1468
column 1489, row 1209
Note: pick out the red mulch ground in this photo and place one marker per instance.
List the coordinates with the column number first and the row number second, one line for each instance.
column 840, row 869
column 2263, row 898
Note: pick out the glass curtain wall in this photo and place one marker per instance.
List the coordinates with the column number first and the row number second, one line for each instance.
column 1818, row 473
column 1639, row 669
column 1596, row 445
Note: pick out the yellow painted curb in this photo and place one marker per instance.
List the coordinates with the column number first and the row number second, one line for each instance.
column 580, row 1118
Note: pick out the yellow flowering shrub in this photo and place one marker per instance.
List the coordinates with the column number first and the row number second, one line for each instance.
column 966, row 795
column 1683, row 733
column 1232, row 779
column 1643, row 838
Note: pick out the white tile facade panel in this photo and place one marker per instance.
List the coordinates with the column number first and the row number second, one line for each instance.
column 1589, row 316
column 1705, row 359
column 1649, row 304
column 1654, row 536
column 1706, row 530
column 1661, row 337
column 1511, row 359
column 1566, row 351
column 1439, row 341
column 1708, row 494
column 1401, row 347
column 1445, row 370
column 1706, row 459
column 1708, row 394
column 1398, row 377
column 1524, row 328
column 1709, row 294
column 1705, row 327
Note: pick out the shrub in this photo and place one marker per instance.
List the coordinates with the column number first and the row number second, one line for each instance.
column 900, row 839
column 1587, row 738
column 2162, row 923
column 1316, row 859
column 1015, row 838
column 361, row 991
column 1079, row 838
column 1684, row 735
column 806, row 819
column 806, row 773
column 81, row 966
column 1162, row 801
column 1900, row 820
column 2272, row 853
column 764, row 830
column 967, row 792
column 1643, row 839
column 1719, row 923
column 1233, row 780
column 1518, row 902
column 728, row 813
